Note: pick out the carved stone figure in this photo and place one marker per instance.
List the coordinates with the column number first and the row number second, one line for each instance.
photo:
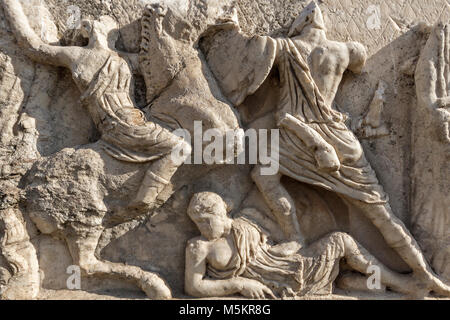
column 104, row 78
column 431, row 184
column 104, row 105
column 19, row 277
column 235, row 256
column 128, row 143
column 316, row 146
column 19, row 269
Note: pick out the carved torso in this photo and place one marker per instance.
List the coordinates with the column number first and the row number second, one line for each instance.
column 221, row 253
column 327, row 62
column 86, row 67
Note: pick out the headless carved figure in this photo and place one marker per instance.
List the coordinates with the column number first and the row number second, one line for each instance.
column 327, row 61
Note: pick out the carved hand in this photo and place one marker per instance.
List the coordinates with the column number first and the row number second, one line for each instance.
column 324, row 153
column 256, row 290
column 373, row 117
column 372, row 126
column 33, row 46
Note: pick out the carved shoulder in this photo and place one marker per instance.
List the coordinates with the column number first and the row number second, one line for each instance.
column 197, row 248
column 357, row 56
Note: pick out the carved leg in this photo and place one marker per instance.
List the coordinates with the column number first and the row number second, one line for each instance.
column 400, row 239
column 82, row 247
column 360, row 259
column 280, row 202
column 156, row 178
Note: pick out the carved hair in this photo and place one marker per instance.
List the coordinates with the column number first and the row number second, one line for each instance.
column 205, row 203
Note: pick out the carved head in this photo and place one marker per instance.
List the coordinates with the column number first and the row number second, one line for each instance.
column 103, row 28
column 210, row 213
column 311, row 16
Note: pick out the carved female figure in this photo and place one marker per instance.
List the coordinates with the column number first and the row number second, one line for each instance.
column 234, row 256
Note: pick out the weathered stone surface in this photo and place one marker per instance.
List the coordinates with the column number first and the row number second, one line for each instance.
column 87, row 120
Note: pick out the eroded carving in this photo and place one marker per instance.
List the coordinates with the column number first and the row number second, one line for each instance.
column 316, row 146
column 291, row 234
column 431, row 187
column 235, row 256
column 103, row 77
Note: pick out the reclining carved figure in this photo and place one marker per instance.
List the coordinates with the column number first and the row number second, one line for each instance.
column 234, row 256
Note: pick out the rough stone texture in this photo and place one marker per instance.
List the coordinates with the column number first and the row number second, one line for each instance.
column 43, row 125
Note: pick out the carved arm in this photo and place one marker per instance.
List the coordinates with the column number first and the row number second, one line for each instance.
column 357, row 57
column 198, row 285
column 34, row 47
column 133, row 59
column 195, row 282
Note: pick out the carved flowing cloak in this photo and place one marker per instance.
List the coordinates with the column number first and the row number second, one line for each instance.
column 312, row 272
column 125, row 133
column 249, row 62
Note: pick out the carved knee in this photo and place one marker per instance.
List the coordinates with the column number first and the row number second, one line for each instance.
column 349, row 242
column 86, row 267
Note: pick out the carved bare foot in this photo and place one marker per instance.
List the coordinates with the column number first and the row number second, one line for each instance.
column 154, row 287
column 429, row 282
column 411, row 287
